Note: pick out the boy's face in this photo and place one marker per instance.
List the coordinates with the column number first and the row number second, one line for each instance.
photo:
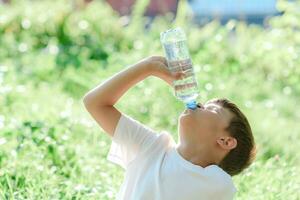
column 206, row 123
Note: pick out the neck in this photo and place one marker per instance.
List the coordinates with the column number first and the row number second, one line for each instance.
column 199, row 155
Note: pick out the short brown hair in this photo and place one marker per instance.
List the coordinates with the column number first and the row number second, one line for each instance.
column 244, row 153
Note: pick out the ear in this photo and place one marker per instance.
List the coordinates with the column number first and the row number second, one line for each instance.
column 227, row 142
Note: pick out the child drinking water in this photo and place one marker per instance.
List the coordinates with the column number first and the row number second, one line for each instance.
column 215, row 142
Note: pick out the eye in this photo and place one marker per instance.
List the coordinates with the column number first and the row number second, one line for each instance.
column 213, row 108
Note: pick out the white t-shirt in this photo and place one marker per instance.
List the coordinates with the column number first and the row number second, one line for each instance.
column 156, row 171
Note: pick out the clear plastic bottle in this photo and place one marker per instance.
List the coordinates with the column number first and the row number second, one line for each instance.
column 178, row 58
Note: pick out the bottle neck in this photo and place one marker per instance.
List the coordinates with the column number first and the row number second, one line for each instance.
column 191, row 104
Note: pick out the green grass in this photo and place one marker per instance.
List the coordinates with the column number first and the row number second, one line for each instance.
column 50, row 148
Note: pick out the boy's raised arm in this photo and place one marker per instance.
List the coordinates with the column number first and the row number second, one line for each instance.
column 100, row 100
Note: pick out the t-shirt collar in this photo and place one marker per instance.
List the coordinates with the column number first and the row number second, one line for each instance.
column 185, row 162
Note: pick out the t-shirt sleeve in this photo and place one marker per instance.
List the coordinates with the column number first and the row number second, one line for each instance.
column 130, row 138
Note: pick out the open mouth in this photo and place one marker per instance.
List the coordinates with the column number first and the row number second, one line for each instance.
column 188, row 110
column 200, row 105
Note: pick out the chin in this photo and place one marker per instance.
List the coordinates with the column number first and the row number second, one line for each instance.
column 185, row 123
column 185, row 118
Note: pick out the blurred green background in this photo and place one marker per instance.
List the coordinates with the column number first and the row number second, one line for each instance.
column 53, row 52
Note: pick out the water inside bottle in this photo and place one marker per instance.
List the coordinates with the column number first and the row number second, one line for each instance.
column 186, row 88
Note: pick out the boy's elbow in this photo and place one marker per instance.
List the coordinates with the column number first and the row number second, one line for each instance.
column 91, row 102
column 87, row 101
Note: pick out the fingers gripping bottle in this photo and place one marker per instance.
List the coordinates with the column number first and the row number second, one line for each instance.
column 177, row 54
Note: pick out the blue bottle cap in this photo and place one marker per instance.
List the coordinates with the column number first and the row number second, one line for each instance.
column 191, row 105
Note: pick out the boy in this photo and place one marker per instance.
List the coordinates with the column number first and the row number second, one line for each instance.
column 215, row 142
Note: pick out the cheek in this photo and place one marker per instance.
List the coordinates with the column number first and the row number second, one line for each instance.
column 210, row 124
column 206, row 122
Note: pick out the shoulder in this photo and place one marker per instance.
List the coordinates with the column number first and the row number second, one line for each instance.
column 159, row 146
column 165, row 139
column 163, row 142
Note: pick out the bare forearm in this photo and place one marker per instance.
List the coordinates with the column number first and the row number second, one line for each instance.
column 111, row 90
column 100, row 101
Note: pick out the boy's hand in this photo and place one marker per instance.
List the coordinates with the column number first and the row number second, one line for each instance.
column 159, row 68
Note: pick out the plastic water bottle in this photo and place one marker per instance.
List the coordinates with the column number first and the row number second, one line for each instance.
column 178, row 58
